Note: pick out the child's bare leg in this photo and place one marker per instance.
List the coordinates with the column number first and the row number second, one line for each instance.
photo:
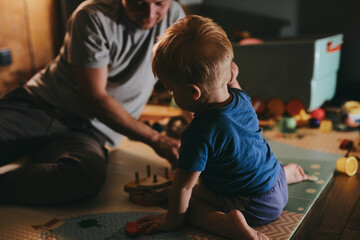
column 294, row 173
column 231, row 225
column 203, row 213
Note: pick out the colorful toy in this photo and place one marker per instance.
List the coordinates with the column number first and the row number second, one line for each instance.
column 251, row 41
column 302, row 118
column 149, row 191
column 294, row 106
column 353, row 121
column 348, row 165
column 287, row 124
column 352, row 110
column 176, row 127
column 326, row 126
column 132, row 230
column 259, row 105
column 276, row 107
column 318, row 113
column 352, row 147
column 314, row 123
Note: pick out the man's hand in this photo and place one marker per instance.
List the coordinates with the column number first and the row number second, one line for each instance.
column 92, row 84
column 167, row 148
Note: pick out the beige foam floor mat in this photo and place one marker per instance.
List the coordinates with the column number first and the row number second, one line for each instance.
column 21, row 222
column 16, row 221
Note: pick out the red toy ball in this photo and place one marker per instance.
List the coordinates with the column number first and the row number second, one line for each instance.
column 318, row 113
column 294, row 106
column 259, row 105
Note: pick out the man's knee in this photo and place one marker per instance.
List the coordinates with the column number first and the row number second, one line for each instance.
column 86, row 176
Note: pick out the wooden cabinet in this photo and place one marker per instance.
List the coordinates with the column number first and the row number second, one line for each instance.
column 30, row 29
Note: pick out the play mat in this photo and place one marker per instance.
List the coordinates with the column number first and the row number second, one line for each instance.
column 104, row 216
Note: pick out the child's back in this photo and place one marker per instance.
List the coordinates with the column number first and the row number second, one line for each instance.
column 226, row 144
column 241, row 181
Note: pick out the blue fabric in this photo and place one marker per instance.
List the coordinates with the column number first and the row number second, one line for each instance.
column 227, row 146
column 267, row 207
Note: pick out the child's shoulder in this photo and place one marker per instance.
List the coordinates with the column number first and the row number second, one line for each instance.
column 240, row 98
column 239, row 92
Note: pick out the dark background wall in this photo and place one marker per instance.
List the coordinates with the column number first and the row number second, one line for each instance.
column 275, row 18
column 312, row 17
column 337, row 16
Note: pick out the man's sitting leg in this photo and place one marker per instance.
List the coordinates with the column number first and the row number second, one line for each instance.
column 68, row 167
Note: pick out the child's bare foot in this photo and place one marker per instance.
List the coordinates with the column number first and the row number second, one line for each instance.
column 241, row 230
column 294, row 173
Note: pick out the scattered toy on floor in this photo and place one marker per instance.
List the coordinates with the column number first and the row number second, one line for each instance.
column 287, row 124
column 276, row 107
column 352, row 147
column 326, row 126
column 352, row 110
column 347, row 165
column 132, row 230
column 150, row 191
column 294, row 106
column 176, row 127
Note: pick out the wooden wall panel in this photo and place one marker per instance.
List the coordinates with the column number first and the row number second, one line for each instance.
column 44, row 30
column 13, row 35
column 30, row 29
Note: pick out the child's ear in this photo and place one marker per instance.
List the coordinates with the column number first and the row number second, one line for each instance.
column 196, row 91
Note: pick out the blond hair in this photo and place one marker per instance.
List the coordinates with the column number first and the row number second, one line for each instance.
column 195, row 50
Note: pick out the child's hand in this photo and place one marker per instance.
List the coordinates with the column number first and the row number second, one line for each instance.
column 154, row 223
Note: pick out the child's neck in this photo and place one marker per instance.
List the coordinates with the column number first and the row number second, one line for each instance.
column 216, row 99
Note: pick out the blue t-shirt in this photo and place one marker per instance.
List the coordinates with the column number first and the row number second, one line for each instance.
column 227, row 146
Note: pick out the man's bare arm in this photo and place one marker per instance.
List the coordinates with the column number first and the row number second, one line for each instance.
column 91, row 84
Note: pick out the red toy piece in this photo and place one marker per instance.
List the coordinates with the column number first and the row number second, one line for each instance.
column 318, row 113
column 346, row 144
column 132, row 230
column 258, row 104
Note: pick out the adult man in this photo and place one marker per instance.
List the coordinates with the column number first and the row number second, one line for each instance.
column 89, row 95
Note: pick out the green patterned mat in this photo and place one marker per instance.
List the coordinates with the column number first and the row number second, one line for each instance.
column 301, row 195
column 110, row 226
column 104, row 216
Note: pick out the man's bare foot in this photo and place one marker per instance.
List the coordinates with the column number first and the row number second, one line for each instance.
column 294, row 173
column 241, row 230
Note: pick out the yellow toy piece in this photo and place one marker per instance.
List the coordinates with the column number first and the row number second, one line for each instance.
column 326, row 126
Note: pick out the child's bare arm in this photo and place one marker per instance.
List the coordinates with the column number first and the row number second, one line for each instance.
column 180, row 194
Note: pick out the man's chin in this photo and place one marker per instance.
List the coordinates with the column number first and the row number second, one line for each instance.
column 146, row 26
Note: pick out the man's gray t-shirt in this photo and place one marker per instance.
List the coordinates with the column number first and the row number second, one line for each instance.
column 99, row 34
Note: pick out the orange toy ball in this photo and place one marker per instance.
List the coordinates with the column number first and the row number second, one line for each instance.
column 294, row 106
column 318, row 113
column 258, row 104
column 276, row 106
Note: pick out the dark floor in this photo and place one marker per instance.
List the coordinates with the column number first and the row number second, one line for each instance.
column 336, row 213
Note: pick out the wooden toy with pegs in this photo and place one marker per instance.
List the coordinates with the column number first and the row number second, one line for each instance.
column 150, row 191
